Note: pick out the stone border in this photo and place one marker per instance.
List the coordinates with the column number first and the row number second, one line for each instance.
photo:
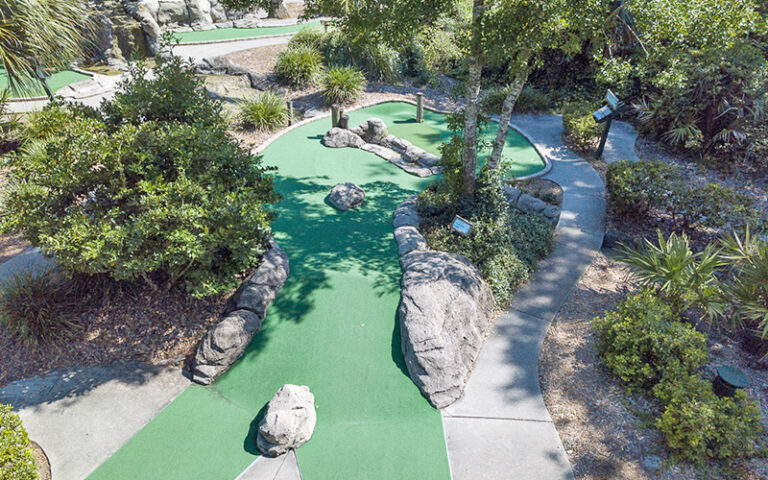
column 225, row 343
column 306, row 121
column 41, row 98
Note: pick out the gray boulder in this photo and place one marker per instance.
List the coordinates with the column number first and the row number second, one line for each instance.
column 340, row 138
column 531, row 204
column 249, row 21
column 289, row 421
column 512, row 194
column 409, row 239
column 279, row 10
column 225, row 343
column 445, row 312
column 346, row 196
column 374, row 130
column 406, row 214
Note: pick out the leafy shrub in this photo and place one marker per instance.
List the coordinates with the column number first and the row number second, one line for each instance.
column 40, row 306
column 16, row 460
column 532, row 100
column 342, row 85
column 579, row 127
column 505, row 243
column 636, row 187
column 683, row 278
column 699, row 426
column 641, row 338
column 493, row 99
column 165, row 201
column 265, row 111
column 174, row 93
column 298, row 66
column 378, row 61
column 640, row 188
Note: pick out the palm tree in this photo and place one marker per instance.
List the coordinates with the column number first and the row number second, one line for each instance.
column 40, row 35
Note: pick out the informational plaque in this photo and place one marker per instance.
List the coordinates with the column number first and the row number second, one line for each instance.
column 461, row 225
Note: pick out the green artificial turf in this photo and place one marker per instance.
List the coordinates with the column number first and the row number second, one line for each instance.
column 56, row 81
column 218, row 34
column 333, row 327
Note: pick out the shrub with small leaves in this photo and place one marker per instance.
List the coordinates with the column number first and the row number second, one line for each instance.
column 266, row 111
column 16, row 460
column 342, row 85
column 298, row 66
column 641, row 338
column 636, row 187
column 580, row 128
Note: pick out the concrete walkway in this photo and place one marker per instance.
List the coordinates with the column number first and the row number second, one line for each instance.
column 501, row 428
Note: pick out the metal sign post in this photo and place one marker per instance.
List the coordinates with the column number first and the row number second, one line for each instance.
column 605, row 115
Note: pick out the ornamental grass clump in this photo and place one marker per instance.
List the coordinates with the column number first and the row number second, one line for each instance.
column 342, row 85
column 266, row 111
column 298, row 66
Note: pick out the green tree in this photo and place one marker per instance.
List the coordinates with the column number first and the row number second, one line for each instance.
column 39, row 35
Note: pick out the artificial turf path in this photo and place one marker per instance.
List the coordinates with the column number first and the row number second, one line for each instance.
column 333, row 327
column 56, row 81
column 222, row 34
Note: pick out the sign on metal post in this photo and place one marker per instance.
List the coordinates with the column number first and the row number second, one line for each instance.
column 461, row 225
column 605, row 115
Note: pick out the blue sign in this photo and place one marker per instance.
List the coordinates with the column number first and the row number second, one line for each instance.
column 461, row 225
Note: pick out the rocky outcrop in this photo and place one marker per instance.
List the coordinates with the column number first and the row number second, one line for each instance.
column 372, row 136
column 288, row 422
column 346, row 196
column 531, row 204
column 225, row 343
column 445, row 311
column 194, row 14
column 116, row 35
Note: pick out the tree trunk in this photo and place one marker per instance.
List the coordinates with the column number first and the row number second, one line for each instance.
column 473, row 93
column 506, row 113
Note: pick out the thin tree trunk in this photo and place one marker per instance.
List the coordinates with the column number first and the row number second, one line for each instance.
column 473, row 94
column 506, row 114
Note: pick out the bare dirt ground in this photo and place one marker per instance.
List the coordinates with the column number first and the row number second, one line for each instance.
column 606, row 432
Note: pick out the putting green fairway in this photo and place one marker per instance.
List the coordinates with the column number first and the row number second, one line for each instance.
column 56, row 81
column 333, row 327
column 221, row 34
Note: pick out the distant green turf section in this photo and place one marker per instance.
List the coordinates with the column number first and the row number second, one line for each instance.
column 333, row 327
column 56, row 81
column 236, row 33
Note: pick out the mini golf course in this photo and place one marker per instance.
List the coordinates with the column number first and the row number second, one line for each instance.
column 223, row 34
column 56, row 81
column 333, row 327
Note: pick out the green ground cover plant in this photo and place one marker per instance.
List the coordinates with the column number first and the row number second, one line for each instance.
column 159, row 194
column 580, row 129
column 342, row 85
column 265, row 111
column 16, row 460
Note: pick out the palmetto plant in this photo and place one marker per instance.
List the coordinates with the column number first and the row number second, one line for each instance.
column 39, row 35
column 686, row 279
column 748, row 288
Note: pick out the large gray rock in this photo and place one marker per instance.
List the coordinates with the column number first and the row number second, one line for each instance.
column 346, row 196
column 445, row 312
column 374, row 130
column 279, row 9
column 226, row 342
column 340, row 138
column 289, row 421
column 531, row 204
column 409, row 239
column 406, row 214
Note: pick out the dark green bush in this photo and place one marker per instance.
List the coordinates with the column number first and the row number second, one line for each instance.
column 641, row 338
column 714, row 206
column 16, row 460
column 173, row 93
column 530, row 100
column 298, row 66
column 699, row 426
column 342, row 85
column 636, row 187
column 265, row 111
column 505, row 243
column 164, row 201
column 378, row 61
column 580, row 128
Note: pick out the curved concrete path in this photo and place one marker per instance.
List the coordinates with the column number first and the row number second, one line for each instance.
column 501, row 428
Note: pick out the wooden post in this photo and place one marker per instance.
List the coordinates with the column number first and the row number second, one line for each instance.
column 290, row 112
column 419, row 107
column 334, row 116
column 344, row 122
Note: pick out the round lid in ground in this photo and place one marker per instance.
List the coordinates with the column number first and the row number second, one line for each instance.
column 733, row 376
